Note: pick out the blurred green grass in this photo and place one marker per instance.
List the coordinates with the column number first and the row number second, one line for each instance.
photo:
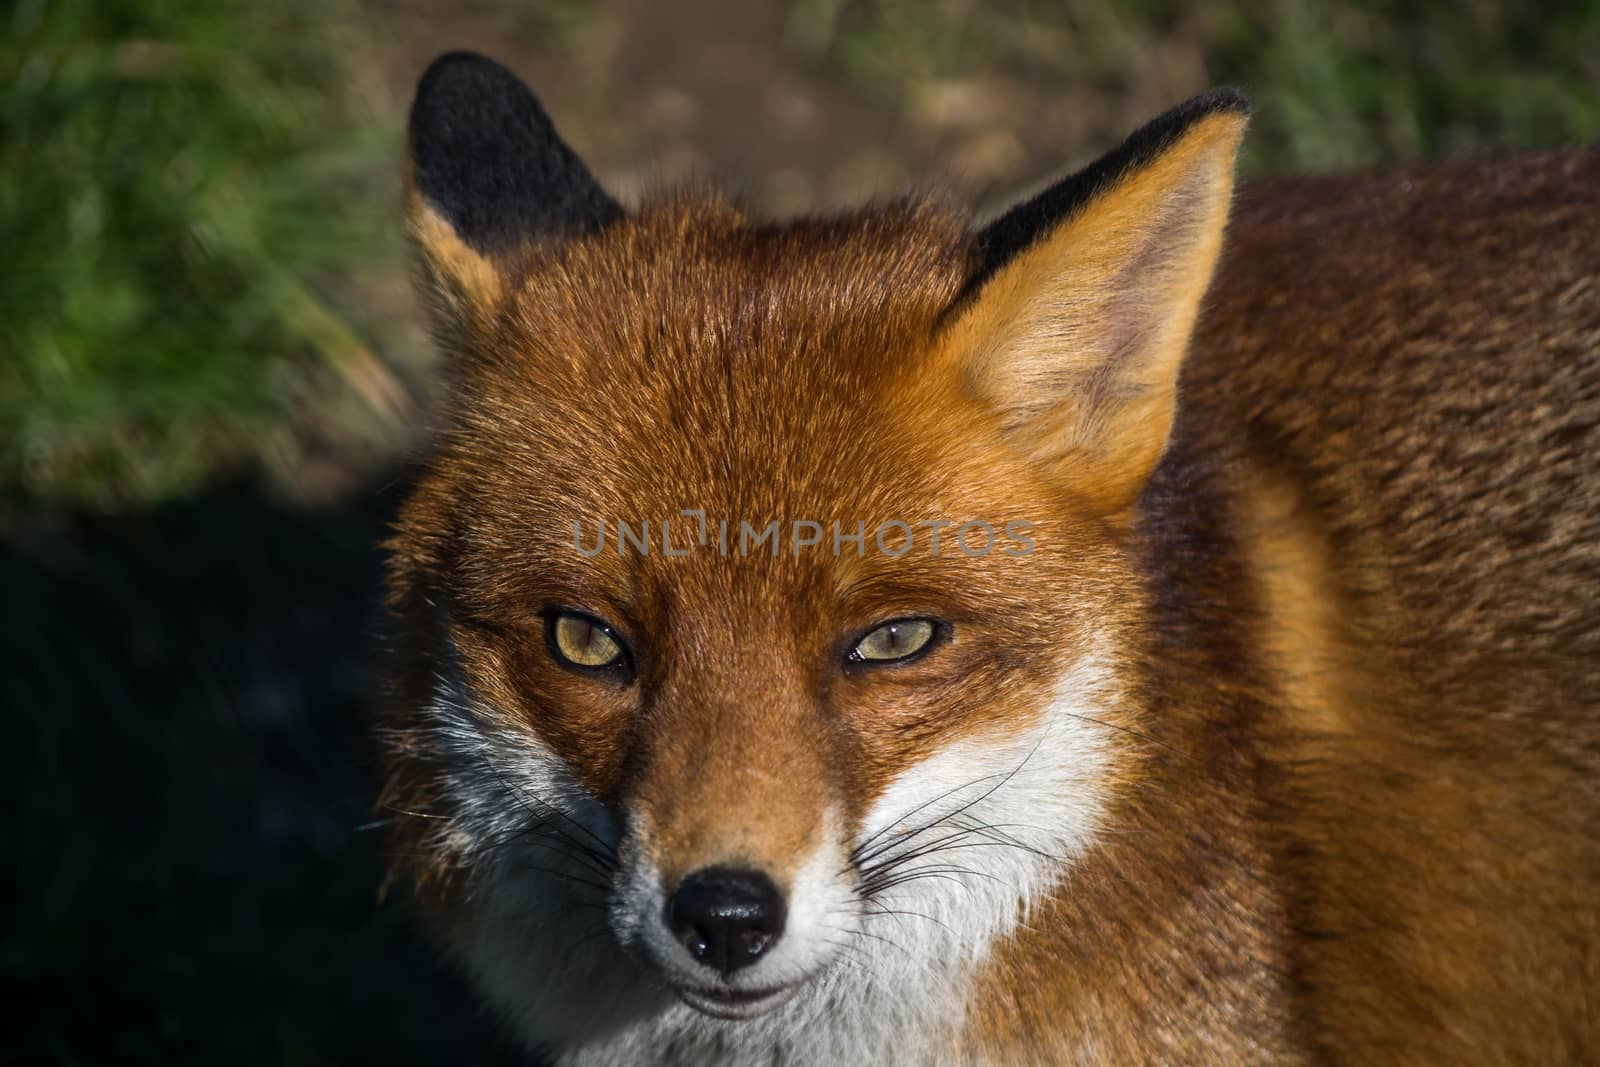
column 177, row 180
column 1343, row 85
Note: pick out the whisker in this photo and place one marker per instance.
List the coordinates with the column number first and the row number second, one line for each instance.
column 949, row 871
column 986, row 794
column 859, row 932
column 596, row 934
column 866, row 859
column 859, row 854
column 565, row 875
column 897, row 913
column 557, row 847
column 603, row 847
column 953, row 842
column 413, row 814
column 555, row 836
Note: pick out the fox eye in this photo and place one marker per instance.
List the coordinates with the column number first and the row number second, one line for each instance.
column 583, row 641
column 895, row 641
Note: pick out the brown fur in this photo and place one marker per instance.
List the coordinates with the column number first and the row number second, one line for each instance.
column 1390, row 439
column 1439, row 413
column 1357, row 809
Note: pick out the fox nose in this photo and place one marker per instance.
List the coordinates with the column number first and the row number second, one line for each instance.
column 726, row 918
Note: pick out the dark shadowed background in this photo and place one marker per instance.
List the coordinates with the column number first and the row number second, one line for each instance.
column 211, row 378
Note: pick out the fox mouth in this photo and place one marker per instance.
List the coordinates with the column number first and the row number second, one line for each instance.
column 735, row 1003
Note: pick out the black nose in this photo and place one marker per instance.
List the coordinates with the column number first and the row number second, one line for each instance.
column 726, row 918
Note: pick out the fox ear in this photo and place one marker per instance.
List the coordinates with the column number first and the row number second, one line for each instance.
column 487, row 177
column 1076, row 320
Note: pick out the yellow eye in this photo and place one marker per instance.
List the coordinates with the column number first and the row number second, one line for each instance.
column 584, row 641
column 898, row 640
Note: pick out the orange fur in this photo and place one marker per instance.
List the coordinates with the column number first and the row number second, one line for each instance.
column 1338, row 569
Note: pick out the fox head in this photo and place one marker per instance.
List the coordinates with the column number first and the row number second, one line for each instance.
column 764, row 610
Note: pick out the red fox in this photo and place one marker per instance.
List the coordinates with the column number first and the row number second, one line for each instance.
column 1081, row 638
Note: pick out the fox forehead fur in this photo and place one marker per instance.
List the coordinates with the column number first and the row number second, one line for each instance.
column 1276, row 744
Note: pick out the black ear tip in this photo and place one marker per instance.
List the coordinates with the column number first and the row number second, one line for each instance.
column 462, row 67
column 1016, row 229
column 460, row 59
column 1224, row 101
column 1216, row 101
column 484, row 154
column 460, row 82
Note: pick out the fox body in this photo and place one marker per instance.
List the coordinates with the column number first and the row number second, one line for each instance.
column 1270, row 736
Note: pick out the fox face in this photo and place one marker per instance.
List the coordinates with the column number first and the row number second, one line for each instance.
column 766, row 615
